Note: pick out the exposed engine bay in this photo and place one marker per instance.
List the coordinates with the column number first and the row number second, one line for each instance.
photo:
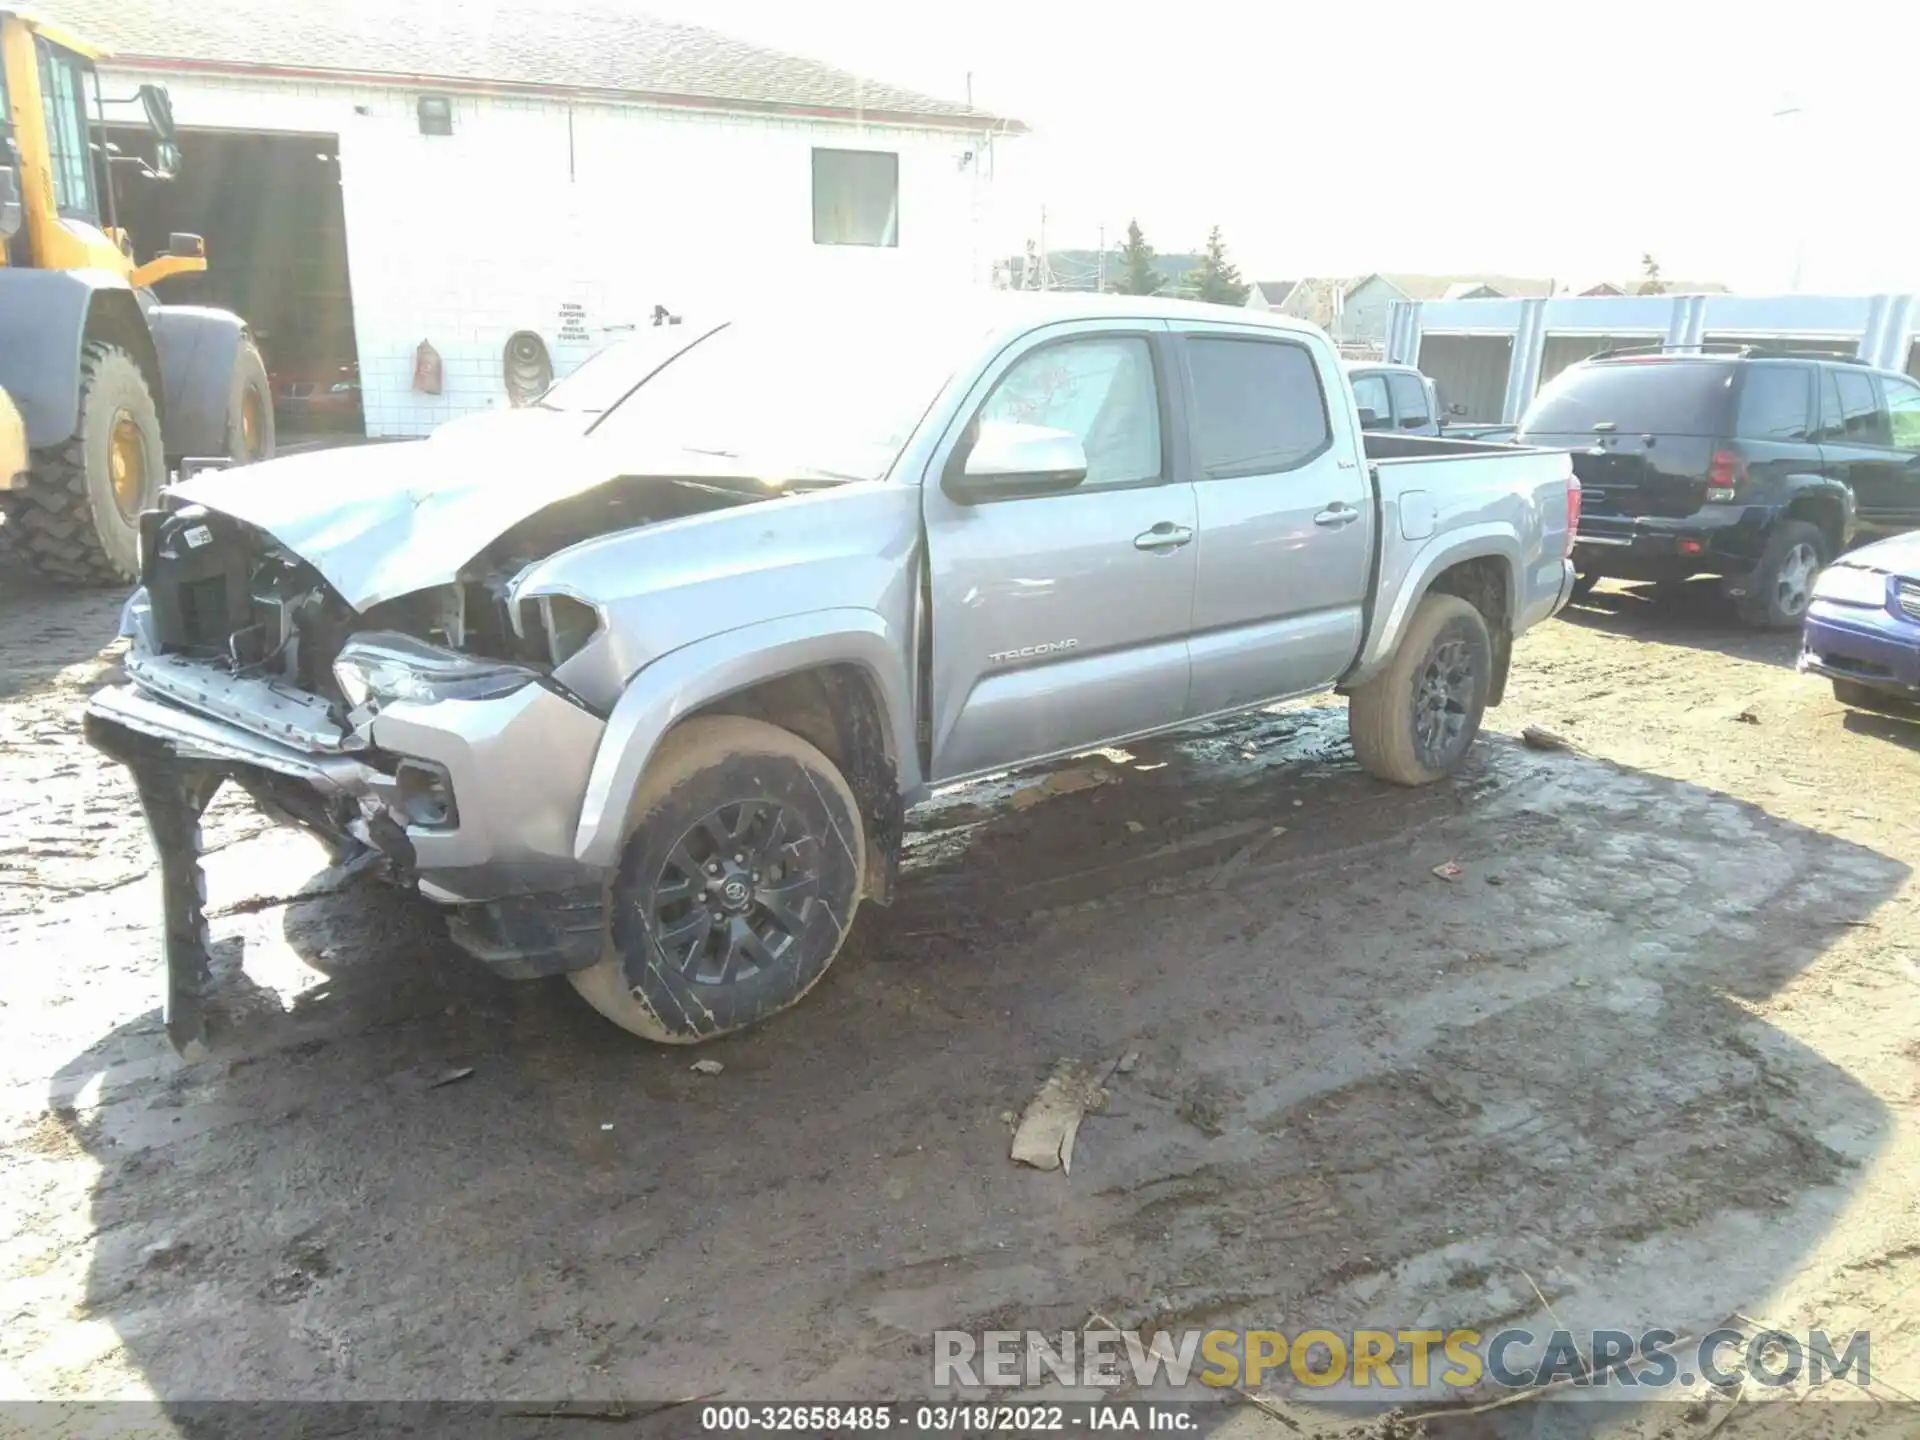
column 224, row 593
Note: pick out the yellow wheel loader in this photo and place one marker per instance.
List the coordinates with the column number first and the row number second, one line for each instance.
column 114, row 388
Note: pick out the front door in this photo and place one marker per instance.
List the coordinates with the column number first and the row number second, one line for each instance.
column 1060, row 621
column 1286, row 520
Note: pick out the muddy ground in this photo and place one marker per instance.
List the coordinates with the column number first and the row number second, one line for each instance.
column 1650, row 1057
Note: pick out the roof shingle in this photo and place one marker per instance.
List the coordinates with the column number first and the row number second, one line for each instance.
column 595, row 45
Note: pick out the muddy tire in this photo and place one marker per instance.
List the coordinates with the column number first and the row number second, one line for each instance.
column 1782, row 583
column 1415, row 721
column 78, row 519
column 740, row 878
column 250, row 433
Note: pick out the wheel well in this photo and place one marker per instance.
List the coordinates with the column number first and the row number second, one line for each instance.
column 1825, row 512
column 838, row 710
column 1486, row 584
column 114, row 318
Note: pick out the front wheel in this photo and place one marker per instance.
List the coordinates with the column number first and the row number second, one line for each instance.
column 738, row 884
column 1781, row 586
column 1414, row 722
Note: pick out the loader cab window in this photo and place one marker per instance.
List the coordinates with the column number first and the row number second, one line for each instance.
column 63, row 84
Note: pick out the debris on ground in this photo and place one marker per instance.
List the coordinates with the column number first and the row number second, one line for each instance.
column 451, row 1077
column 1128, row 1062
column 1052, row 1118
column 1747, row 717
column 706, row 1067
column 1448, row 870
column 1061, row 782
column 1538, row 737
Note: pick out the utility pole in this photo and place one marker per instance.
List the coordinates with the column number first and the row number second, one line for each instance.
column 1796, row 164
column 1100, row 284
column 1046, row 264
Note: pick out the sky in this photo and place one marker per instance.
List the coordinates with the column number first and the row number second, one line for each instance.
column 1560, row 140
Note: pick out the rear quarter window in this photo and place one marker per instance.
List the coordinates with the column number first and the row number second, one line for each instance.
column 1774, row 403
column 1662, row 398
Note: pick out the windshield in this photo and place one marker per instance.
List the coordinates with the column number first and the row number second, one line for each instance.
column 604, row 378
column 831, row 396
column 1666, row 397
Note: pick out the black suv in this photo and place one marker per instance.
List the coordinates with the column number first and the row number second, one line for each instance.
column 1752, row 464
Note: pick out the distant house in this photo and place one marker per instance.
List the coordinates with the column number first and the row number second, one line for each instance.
column 1268, row 294
column 1667, row 287
column 1356, row 311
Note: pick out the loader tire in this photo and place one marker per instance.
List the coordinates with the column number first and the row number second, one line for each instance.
column 1415, row 721
column 742, row 871
column 77, row 522
column 250, row 432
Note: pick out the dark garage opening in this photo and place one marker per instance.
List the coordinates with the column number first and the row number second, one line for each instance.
column 269, row 209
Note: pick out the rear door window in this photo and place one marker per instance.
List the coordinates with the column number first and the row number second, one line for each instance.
column 1668, row 397
column 1410, row 401
column 1370, row 393
column 1773, row 403
column 1257, row 406
column 1862, row 420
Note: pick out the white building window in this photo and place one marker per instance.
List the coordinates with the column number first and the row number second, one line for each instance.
column 856, row 197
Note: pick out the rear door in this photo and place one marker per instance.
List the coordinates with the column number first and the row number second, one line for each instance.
column 1285, row 516
column 1775, row 420
column 1060, row 621
column 1857, row 438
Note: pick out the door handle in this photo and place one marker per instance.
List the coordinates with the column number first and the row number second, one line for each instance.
column 1164, row 536
column 1337, row 514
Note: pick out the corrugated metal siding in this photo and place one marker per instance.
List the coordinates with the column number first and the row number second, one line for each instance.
column 1471, row 370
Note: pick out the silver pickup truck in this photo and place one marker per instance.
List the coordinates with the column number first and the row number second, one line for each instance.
column 640, row 681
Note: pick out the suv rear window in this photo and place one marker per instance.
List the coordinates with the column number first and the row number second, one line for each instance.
column 1668, row 397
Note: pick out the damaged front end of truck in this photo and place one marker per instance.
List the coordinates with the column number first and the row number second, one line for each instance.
column 376, row 669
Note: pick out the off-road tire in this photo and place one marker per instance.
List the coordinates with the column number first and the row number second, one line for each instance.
column 702, row 767
column 1762, row 606
column 1382, row 714
column 66, row 525
column 249, row 380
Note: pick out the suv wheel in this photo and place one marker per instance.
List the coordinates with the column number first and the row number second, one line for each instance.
column 1781, row 585
column 737, row 886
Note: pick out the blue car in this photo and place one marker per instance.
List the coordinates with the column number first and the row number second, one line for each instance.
column 1862, row 629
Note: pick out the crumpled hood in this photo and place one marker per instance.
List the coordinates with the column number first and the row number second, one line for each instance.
column 383, row 520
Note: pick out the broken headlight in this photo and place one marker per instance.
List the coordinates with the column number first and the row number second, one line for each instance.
column 384, row 666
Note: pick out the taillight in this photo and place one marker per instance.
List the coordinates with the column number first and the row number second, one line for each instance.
column 1573, row 514
column 1725, row 475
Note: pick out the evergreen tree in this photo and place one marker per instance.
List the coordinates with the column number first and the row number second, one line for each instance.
column 1137, row 273
column 1216, row 279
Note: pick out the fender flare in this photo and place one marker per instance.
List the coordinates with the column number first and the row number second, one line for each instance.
column 1492, row 541
column 197, row 346
column 1821, row 487
column 694, row 676
column 46, row 319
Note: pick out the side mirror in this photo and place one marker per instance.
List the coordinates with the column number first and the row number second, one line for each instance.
column 10, row 211
column 1457, row 411
column 166, row 143
column 1369, row 420
column 1009, row 460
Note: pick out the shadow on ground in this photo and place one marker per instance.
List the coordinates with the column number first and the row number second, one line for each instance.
column 1694, row 613
column 1364, row 1094
column 45, row 629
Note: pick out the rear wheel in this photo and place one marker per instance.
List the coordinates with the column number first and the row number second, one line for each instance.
column 1414, row 722
column 737, row 885
column 1781, row 585
column 79, row 518
column 250, row 432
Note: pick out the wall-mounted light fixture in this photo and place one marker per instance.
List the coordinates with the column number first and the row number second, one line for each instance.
column 436, row 115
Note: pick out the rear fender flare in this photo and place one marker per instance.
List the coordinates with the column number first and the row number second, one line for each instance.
column 197, row 347
column 47, row 318
column 1473, row 542
column 693, row 677
column 1824, row 490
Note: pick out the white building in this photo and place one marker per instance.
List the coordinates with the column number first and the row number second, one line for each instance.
column 370, row 177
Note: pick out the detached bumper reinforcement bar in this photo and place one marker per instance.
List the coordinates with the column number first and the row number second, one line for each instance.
column 174, row 793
